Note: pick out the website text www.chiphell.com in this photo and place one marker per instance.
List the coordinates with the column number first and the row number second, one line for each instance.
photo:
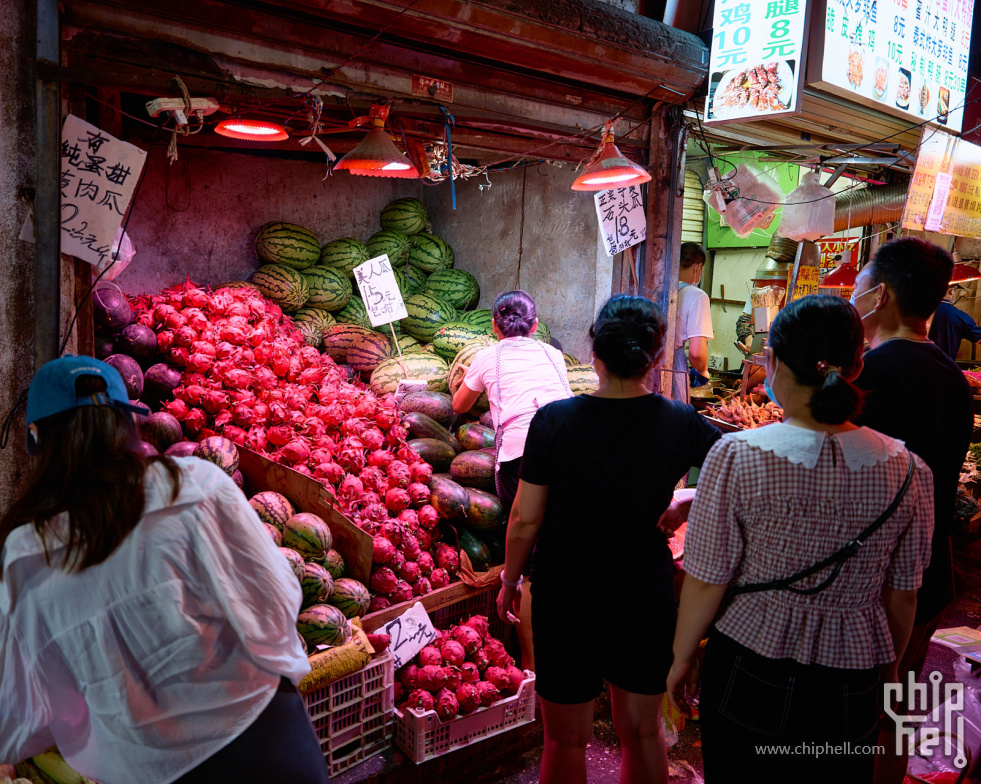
column 819, row 750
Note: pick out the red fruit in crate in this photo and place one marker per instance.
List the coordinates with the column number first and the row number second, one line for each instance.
column 398, row 473
column 453, row 653
column 468, row 696
column 431, row 677
column 489, row 693
column 399, row 693
column 499, row 677
column 469, row 672
column 379, row 642
column 423, row 536
column 418, row 494
column 426, row 563
column 420, row 700
column 410, row 520
column 410, row 571
column 384, row 582
column 380, row 458
column 396, row 499
column 496, row 655
column 402, row 592
column 439, row 578
column 408, row 675
column 515, row 678
column 453, row 677
column 430, row 655
column 421, row 472
column 421, row 587
column 447, row 557
column 382, row 550
column 480, row 659
column 446, row 704
column 397, row 562
column 379, row 603
column 393, row 532
column 410, row 546
column 468, row 638
column 428, row 516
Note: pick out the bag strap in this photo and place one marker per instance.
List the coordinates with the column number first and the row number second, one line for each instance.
column 838, row 558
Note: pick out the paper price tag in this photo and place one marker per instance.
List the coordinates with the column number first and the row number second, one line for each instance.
column 411, row 632
column 380, row 291
column 941, row 192
column 623, row 221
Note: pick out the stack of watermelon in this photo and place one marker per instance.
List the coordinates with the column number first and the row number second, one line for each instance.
column 462, row 670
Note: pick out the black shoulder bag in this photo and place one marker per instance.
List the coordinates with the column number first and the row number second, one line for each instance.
column 837, row 559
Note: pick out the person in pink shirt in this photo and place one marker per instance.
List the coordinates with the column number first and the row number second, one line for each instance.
column 520, row 375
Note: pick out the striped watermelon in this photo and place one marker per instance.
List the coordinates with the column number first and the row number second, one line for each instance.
column 391, row 241
column 542, row 333
column 582, row 379
column 426, row 314
column 570, row 360
column 368, row 351
column 424, row 367
column 415, row 279
column 354, row 313
column 295, row 561
column 334, row 564
column 473, row 469
column 338, row 340
column 430, row 253
column 312, row 322
column 456, row 286
column 409, row 345
column 272, row 508
column 220, row 451
column 287, row 243
column 323, row 624
column 350, row 597
column 343, row 255
column 316, row 583
column 236, row 284
column 407, row 215
column 479, row 318
column 465, row 357
column 283, row 285
column 274, row 533
column 328, row 288
column 308, row 534
column 452, row 337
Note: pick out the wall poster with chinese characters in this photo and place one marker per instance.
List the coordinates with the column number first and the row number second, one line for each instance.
column 904, row 57
column 759, row 48
column 380, row 291
column 622, row 217
column 945, row 192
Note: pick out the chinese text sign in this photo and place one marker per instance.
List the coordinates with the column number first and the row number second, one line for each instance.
column 380, row 291
column 622, row 218
column 946, row 186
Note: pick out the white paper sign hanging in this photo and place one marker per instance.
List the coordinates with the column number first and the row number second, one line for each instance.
column 380, row 290
column 623, row 220
column 98, row 176
column 410, row 632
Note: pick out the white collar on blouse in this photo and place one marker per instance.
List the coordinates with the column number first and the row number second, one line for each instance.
column 859, row 448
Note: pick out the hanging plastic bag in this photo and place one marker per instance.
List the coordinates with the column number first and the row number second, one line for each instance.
column 809, row 212
column 757, row 197
column 123, row 250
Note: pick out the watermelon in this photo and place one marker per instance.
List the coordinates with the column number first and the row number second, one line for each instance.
column 339, row 338
column 465, row 358
column 478, row 552
column 391, row 241
column 430, row 253
column 350, row 597
column 478, row 318
column 333, row 562
column 294, row 559
column 426, row 314
column 237, row 284
column 308, row 534
column 327, row 289
column 287, row 243
column 131, row 372
column 181, row 449
column 423, row 367
column 272, row 508
column 343, row 255
column 283, row 285
column 111, row 309
column 409, row 345
column 313, row 322
column 275, row 534
column 163, row 430
column 316, row 583
column 407, row 215
column 220, row 451
column 368, row 351
column 354, row 313
column 542, row 333
column 102, row 347
column 138, row 342
column 159, row 382
column 485, row 514
column 456, row 286
column 570, row 360
column 453, row 336
column 472, row 469
column 323, row 624
column 487, row 420
column 437, row 405
column 449, row 498
column 582, row 379
column 421, row 426
column 434, row 451
column 415, row 279
column 475, row 436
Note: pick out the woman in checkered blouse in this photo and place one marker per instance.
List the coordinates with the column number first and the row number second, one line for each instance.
column 782, row 668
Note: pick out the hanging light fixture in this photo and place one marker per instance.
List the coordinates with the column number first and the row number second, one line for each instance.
column 377, row 155
column 609, row 168
column 841, row 278
column 251, row 129
column 964, row 273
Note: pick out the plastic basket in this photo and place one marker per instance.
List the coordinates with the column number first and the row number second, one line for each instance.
column 353, row 716
column 423, row 736
column 483, row 603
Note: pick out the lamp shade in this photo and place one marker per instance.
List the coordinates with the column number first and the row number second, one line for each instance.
column 251, row 130
column 377, row 155
column 841, row 278
column 964, row 273
column 610, row 169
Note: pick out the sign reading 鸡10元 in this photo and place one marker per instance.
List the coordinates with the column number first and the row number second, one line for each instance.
column 945, row 192
column 904, row 57
column 758, row 51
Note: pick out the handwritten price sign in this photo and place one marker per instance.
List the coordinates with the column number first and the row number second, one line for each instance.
column 98, row 176
column 411, row 632
column 380, row 290
column 621, row 216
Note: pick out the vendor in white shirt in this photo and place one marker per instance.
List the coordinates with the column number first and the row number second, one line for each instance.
column 694, row 324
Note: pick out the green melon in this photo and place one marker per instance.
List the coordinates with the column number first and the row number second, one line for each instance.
column 312, row 322
column 456, row 286
column 368, row 351
column 328, row 289
column 220, row 451
column 350, row 597
column 407, row 215
column 272, row 508
column 294, row 559
column 465, row 357
column 316, row 583
column 323, row 624
column 395, row 243
column 409, row 345
column 283, row 285
column 570, row 360
column 423, row 367
column 426, row 314
column 287, row 243
column 582, row 379
column 339, row 338
column 430, row 253
column 334, row 564
column 542, row 333
column 354, row 313
column 308, row 534
column 415, row 279
column 479, row 318
column 452, row 337
column 343, row 255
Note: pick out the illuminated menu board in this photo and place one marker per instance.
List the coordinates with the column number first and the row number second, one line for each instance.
column 945, row 192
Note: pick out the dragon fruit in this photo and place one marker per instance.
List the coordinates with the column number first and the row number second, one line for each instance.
column 426, row 563
column 468, row 638
column 515, row 678
column 418, row 494
column 382, row 550
column 402, row 592
column 383, row 581
column 496, row 655
column 431, row 677
column 410, row 546
column 489, row 693
column 439, row 578
column 468, row 697
column 447, row 558
column 410, row 571
column 480, row 659
column 421, row 587
column 420, row 700
column 480, row 624
column 499, row 677
column 453, row 677
column 408, row 675
column 428, row 516
column 430, row 656
column 446, row 704
column 453, row 652
column 379, row 603
column 469, row 672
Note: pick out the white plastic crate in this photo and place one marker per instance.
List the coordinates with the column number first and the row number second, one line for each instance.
column 353, row 716
column 483, row 603
column 423, row 736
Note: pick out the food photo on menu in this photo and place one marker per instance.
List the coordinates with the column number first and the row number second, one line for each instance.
column 924, row 97
column 943, row 104
column 763, row 88
column 902, row 89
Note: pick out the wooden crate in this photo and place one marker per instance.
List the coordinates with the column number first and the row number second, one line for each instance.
column 309, row 495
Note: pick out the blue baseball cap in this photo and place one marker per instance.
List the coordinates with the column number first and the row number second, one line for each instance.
column 53, row 388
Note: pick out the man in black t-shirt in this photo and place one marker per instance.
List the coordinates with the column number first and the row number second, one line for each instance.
column 918, row 395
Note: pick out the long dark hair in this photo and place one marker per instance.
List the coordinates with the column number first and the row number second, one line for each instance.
column 514, row 313
column 820, row 338
column 628, row 335
column 87, row 466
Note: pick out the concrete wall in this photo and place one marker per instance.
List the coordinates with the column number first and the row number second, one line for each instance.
column 17, row 41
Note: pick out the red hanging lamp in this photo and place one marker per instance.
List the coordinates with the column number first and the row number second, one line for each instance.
column 251, row 129
column 609, row 168
column 964, row 273
column 377, row 155
column 841, row 278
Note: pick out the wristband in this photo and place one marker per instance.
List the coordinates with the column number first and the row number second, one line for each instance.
column 515, row 584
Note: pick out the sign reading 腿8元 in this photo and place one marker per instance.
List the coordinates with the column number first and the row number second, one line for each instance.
column 758, row 51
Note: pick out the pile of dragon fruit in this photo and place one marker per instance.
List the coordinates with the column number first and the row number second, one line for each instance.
column 229, row 363
column 463, row 669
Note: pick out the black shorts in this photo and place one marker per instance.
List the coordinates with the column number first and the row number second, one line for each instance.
column 507, row 482
column 578, row 646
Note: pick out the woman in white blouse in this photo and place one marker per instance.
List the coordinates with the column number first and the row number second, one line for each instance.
column 147, row 621
column 800, row 664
